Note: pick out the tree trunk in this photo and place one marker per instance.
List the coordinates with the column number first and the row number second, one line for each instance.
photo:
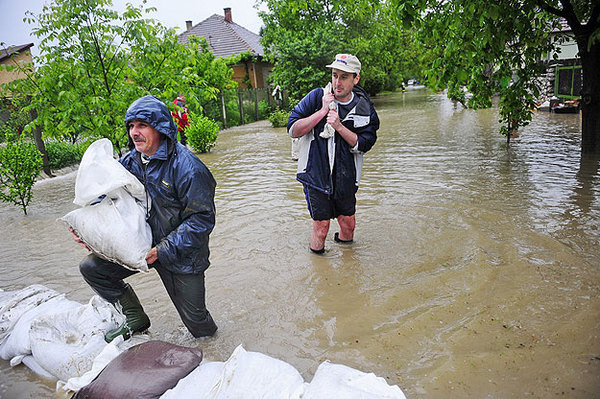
column 589, row 165
column 590, row 93
column 39, row 143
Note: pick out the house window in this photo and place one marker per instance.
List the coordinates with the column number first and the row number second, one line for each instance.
column 567, row 81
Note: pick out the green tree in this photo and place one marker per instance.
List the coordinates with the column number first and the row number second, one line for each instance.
column 94, row 62
column 388, row 51
column 496, row 47
column 81, row 86
column 303, row 38
column 20, row 164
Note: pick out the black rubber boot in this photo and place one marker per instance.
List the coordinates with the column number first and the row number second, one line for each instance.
column 135, row 318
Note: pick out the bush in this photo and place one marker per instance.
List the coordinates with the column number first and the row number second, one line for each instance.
column 202, row 133
column 63, row 154
column 233, row 113
column 5, row 131
column 279, row 118
column 264, row 109
column 20, row 164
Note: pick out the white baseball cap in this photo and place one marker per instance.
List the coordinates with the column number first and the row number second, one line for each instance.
column 347, row 63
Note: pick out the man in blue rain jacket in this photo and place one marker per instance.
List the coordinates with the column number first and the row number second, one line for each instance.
column 181, row 214
column 329, row 165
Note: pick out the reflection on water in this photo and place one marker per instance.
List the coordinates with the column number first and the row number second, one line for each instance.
column 474, row 272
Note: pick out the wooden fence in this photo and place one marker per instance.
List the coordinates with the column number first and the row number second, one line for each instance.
column 241, row 106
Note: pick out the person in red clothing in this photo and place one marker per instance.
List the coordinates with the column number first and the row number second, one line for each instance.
column 180, row 115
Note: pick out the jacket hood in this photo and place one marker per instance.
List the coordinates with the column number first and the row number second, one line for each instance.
column 154, row 112
column 361, row 92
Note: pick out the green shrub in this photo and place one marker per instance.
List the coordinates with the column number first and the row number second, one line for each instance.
column 20, row 164
column 264, row 109
column 5, row 130
column 62, row 154
column 202, row 133
column 279, row 118
column 249, row 112
column 233, row 113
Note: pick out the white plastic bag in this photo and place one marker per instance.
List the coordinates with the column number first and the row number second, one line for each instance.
column 115, row 229
column 32, row 365
column 339, row 381
column 16, row 304
column 255, row 375
column 108, row 353
column 198, row 383
column 65, row 344
column 100, row 173
column 112, row 220
column 18, row 342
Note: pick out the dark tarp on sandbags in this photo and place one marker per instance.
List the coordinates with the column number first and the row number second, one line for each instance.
column 144, row 371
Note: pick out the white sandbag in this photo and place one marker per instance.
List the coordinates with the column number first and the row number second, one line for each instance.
column 255, row 375
column 32, row 365
column 65, row 344
column 17, row 303
column 108, row 353
column 18, row 342
column 100, row 173
column 4, row 296
column 115, row 229
column 198, row 383
column 343, row 382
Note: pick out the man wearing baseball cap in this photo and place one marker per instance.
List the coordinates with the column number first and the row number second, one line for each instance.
column 329, row 166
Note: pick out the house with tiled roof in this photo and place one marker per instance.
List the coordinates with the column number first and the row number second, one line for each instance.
column 225, row 39
column 564, row 74
column 11, row 56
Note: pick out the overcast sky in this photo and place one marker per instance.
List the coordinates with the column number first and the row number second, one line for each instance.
column 171, row 13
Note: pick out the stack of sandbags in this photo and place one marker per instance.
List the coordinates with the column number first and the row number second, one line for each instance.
column 244, row 375
column 64, row 340
column 52, row 335
column 255, row 375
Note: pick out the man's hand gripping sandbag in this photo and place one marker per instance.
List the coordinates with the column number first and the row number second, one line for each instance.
column 112, row 218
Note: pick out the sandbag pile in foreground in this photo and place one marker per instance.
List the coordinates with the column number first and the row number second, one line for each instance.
column 64, row 340
column 52, row 335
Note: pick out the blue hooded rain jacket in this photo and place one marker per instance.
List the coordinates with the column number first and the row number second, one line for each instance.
column 181, row 188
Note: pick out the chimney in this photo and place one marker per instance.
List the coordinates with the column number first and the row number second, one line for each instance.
column 188, row 25
column 228, row 14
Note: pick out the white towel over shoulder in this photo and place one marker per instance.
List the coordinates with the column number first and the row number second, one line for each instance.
column 328, row 131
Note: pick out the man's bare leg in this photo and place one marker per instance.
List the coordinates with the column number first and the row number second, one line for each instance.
column 319, row 233
column 347, row 225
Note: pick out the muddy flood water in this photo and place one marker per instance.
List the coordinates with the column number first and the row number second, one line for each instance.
column 475, row 271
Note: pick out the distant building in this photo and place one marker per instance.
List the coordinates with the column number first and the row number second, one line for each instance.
column 14, row 54
column 564, row 74
column 225, row 39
